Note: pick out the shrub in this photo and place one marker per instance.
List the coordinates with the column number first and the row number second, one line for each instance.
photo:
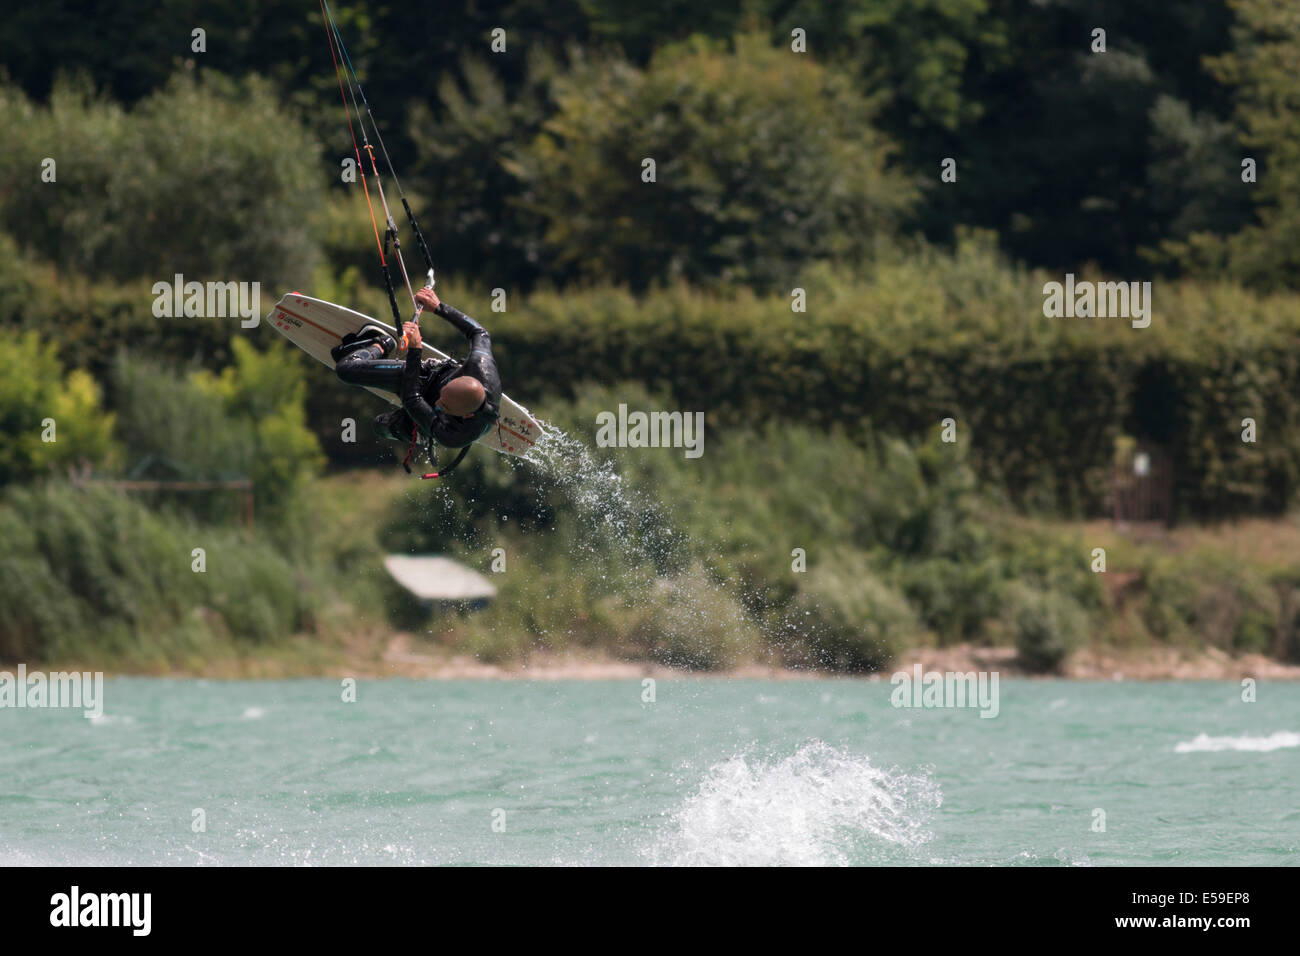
column 692, row 622
column 849, row 619
column 249, row 421
column 1046, row 627
column 34, row 389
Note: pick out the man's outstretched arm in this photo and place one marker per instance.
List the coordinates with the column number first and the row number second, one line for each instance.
column 461, row 322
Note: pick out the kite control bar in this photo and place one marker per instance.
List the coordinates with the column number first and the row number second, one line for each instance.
column 419, row 308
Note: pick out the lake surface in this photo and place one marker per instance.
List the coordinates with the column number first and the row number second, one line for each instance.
column 713, row 771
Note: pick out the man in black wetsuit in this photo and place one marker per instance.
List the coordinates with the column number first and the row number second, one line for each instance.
column 452, row 403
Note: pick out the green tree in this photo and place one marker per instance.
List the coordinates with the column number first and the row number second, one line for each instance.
column 265, row 391
column 917, row 51
column 208, row 178
column 247, row 421
column 1193, row 178
column 1262, row 69
column 473, row 218
column 765, row 161
column 33, row 390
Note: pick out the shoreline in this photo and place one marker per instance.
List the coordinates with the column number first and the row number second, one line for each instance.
column 398, row 657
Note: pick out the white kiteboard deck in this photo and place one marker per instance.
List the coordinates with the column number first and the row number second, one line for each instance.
column 316, row 326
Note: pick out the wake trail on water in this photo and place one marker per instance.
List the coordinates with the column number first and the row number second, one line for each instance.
column 1205, row 743
column 820, row 806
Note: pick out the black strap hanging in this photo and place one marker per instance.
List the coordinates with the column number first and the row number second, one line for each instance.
column 455, row 461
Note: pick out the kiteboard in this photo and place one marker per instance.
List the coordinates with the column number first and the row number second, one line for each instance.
column 316, row 326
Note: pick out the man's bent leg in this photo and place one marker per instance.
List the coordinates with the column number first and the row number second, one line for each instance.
column 364, row 367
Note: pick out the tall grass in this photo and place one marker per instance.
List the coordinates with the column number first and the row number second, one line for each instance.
column 93, row 576
column 780, row 545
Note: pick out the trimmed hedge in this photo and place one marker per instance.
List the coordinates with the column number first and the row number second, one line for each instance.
column 913, row 340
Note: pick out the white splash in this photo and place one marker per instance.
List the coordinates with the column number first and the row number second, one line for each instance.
column 593, row 484
column 820, row 806
column 1274, row 741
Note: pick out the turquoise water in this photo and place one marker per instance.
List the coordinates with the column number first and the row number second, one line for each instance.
column 712, row 772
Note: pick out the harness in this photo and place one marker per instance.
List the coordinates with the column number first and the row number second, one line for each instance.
column 427, row 378
column 415, row 441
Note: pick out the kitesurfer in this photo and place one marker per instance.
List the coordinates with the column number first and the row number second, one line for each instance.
column 453, row 403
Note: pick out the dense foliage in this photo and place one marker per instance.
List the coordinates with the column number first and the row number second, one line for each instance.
column 795, row 267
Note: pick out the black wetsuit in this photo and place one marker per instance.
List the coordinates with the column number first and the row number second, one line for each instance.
column 418, row 384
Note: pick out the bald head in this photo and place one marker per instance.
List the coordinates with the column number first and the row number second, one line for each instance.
column 462, row 396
